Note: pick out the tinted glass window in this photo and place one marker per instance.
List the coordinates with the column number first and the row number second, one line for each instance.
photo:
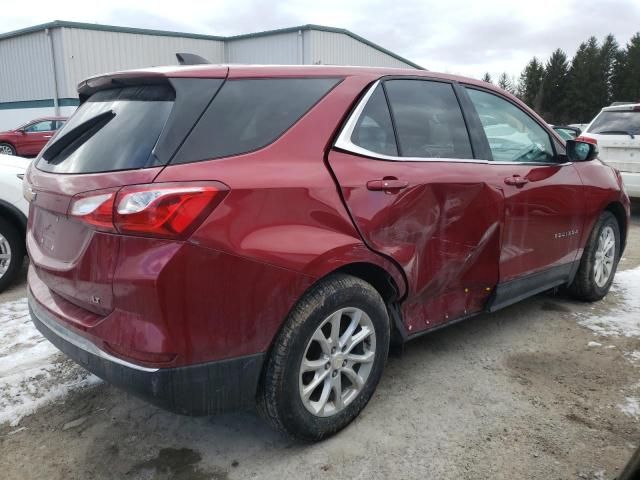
column 374, row 130
column 428, row 119
column 616, row 123
column 45, row 126
column 60, row 124
column 513, row 135
column 249, row 114
column 565, row 133
column 114, row 129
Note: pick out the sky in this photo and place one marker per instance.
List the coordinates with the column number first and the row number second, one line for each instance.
column 462, row 37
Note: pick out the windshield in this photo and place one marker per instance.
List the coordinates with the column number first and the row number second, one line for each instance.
column 618, row 121
column 114, row 129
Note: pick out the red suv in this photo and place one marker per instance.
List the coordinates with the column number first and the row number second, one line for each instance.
column 214, row 237
column 28, row 140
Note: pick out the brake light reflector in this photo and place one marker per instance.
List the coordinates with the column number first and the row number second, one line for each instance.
column 590, row 140
column 163, row 211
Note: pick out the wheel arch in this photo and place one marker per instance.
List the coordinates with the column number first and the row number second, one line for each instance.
column 15, row 216
column 619, row 212
column 379, row 277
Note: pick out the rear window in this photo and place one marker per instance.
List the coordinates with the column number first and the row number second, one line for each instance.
column 616, row 123
column 114, row 129
column 249, row 114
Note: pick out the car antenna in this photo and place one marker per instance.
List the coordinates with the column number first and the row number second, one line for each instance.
column 191, row 59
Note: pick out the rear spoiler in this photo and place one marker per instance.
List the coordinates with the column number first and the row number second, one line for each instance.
column 90, row 86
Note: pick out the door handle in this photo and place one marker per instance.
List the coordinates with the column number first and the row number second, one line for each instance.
column 387, row 185
column 516, row 181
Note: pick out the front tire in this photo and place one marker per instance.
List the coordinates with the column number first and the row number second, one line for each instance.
column 7, row 149
column 12, row 250
column 327, row 360
column 599, row 261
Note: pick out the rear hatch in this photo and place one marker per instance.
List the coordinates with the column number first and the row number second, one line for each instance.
column 618, row 134
column 123, row 133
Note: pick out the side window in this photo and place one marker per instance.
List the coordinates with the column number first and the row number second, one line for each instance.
column 248, row 114
column 512, row 134
column 59, row 124
column 46, row 126
column 374, row 130
column 428, row 119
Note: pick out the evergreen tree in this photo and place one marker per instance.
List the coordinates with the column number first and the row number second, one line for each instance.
column 554, row 103
column 619, row 76
column 531, row 78
column 584, row 83
column 608, row 54
column 626, row 76
column 487, row 77
column 504, row 82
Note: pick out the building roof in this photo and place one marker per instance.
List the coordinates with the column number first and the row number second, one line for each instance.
column 167, row 33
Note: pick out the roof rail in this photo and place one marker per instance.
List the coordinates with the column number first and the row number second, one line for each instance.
column 191, row 59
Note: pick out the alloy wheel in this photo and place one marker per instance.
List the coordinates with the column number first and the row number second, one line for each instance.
column 337, row 362
column 605, row 256
column 5, row 255
column 6, row 150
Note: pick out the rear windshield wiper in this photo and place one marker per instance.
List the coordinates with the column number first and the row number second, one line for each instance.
column 617, row 132
column 78, row 135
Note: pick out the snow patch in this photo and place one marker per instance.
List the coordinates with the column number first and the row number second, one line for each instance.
column 633, row 356
column 594, row 344
column 33, row 372
column 631, row 407
column 624, row 319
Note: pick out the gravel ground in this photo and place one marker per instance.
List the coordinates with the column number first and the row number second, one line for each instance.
column 523, row 393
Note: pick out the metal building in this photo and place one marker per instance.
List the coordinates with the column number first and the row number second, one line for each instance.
column 41, row 66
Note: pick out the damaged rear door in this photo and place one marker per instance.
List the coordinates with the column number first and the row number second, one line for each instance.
column 409, row 177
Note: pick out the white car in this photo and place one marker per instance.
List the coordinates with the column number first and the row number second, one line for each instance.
column 617, row 131
column 14, row 211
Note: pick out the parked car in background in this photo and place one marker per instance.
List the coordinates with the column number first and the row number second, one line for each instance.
column 579, row 126
column 567, row 132
column 215, row 236
column 616, row 130
column 28, row 139
column 14, row 210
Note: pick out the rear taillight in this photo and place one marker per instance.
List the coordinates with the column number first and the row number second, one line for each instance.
column 169, row 210
column 590, row 140
column 96, row 210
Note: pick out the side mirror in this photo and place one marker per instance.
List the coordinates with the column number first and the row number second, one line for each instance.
column 581, row 149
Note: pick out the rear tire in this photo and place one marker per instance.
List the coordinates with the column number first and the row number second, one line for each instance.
column 313, row 384
column 599, row 261
column 7, row 149
column 12, row 250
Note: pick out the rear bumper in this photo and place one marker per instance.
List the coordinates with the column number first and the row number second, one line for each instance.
column 631, row 183
column 203, row 389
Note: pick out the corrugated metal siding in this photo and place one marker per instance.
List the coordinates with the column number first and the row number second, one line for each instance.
column 329, row 48
column 90, row 52
column 26, row 72
column 279, row 49
column 25, row 68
